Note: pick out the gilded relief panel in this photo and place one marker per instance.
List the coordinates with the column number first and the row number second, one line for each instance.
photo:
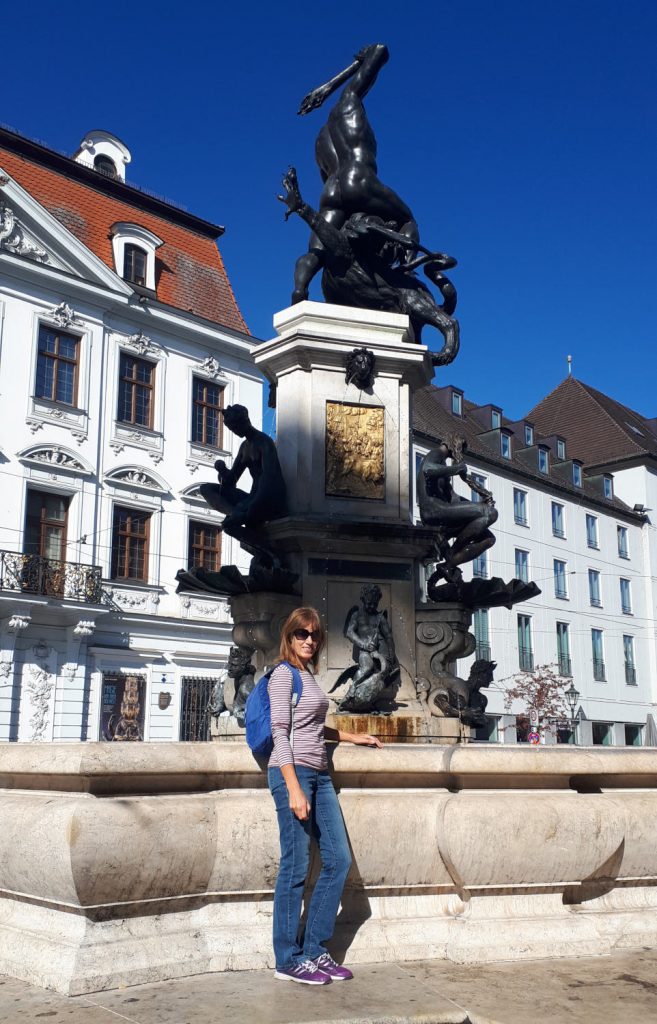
column 355, row 466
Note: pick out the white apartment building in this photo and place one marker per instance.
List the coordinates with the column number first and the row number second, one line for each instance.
column 120, row 340
column 576, row 528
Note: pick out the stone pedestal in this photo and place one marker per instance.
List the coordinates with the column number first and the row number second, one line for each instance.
column 346, row 458
column 345, row 452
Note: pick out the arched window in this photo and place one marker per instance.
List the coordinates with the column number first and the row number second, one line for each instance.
column 134, row 265
column 105, row 165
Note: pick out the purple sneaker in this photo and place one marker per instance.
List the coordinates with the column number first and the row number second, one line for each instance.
column 327, row 965
column 305, row 973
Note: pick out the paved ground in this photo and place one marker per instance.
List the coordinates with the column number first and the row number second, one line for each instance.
column 621, row 989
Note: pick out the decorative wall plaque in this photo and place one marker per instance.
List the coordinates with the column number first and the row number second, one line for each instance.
column 355, row 466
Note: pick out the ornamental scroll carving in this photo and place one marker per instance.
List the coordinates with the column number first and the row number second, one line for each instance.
column 12, row 237
column 355, row 466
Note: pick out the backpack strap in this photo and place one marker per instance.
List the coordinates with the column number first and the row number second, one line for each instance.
column 297, row 690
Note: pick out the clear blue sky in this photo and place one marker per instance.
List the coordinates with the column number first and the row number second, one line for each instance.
column 523, row 135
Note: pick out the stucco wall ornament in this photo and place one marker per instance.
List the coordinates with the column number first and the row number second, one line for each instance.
column 18, row 622
column 55, row 456
column 63, row 315
column 85, row 627
column 210, row 367
column 142, row 344
column 39, row 687
column 6, row 668
column 12, row 237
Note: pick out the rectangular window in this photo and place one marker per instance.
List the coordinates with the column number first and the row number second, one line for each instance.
column 543, row 460
column 136, row 384
column 204, row 547
column 207, row 422
column 525, row 652
column 577, row 474
column 481, row 480
column 626, row 597
column 481, row 632
column 558, row 526
column 560, row 582
column 594, row 588
column 592, row 532
column 563, row 649
column 623, row 547
column 602, row 733
column 130, row 535
column 628, row 656
column 597, row 648
column 480, row 566
column 520, row 506
column 561, row 450
column 529, row 435
column 134, row 265
column 633, row 735
column 505, row 445
column 522, row 565
column 45, row 525
column 495, row 419
column 457, row 403
column 608, row 487
column 57, row 366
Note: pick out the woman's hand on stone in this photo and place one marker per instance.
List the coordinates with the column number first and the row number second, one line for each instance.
column 299, row 804
column 363, row 739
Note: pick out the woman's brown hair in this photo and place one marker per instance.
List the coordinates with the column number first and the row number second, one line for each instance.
column 301, row 618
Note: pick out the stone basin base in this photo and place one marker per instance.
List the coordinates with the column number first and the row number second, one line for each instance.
column 136, row 863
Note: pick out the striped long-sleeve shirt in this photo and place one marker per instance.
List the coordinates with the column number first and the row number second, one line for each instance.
column 309, row 718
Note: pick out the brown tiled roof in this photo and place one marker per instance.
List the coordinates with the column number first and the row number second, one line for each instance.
column 600, row 429
column 190, row 273
column 432, row 420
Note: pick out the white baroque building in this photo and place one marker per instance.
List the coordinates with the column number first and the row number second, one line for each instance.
column 574, row 483
column 120, row 339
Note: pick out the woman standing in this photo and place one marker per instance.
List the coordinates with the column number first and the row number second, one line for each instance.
column 306, row 805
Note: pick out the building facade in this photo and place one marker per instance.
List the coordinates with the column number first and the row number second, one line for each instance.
column 578, row 526
column 120, row 340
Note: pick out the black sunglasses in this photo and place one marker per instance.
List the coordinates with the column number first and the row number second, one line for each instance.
column 304, row 634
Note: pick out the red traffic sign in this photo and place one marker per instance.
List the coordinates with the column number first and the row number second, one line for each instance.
column 534, row 737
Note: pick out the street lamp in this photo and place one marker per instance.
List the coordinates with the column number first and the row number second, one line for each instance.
column 572, row 696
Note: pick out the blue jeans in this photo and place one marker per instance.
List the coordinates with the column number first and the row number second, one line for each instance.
column 326, row 825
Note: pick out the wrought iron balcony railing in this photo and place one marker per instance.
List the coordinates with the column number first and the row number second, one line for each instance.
column 565, row 668
column 630, row 674
column 33, row 574
column 526, row 659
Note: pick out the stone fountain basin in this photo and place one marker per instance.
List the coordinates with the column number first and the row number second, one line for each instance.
column 125, row 863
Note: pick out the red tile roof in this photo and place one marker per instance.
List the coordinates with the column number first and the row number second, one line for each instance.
column 433, row 421
column 190, row 273
column 603, row 430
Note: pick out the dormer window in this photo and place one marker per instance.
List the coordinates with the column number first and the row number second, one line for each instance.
column 543, row 460
column 577, row 474
column 105, row 165
column 495, row 419
column 134, row 254
column 135, row 261
column 608, row 487
column 104, row 152
column 505, row 445
column 561, row 450
column 457, row 403
column 529, row 435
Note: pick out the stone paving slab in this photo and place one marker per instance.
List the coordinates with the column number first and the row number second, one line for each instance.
column 614, row 990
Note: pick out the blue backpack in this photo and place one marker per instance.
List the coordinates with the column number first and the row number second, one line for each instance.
column 257, row 714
